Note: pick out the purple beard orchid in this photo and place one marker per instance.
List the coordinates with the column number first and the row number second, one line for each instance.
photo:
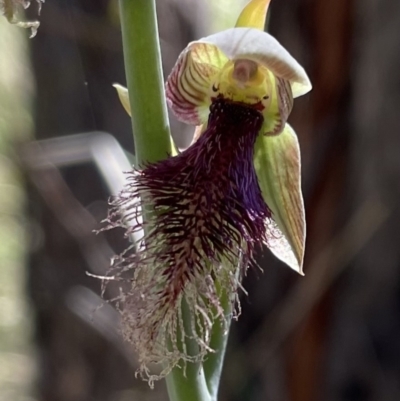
column 209, row 209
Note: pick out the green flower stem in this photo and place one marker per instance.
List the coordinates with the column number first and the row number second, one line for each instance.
column 152, row 143
column 198, row 380
column 145, row 80
column 188, row 383
column 219, row 339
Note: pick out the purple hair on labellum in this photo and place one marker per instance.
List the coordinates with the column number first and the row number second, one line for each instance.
column 205, row 215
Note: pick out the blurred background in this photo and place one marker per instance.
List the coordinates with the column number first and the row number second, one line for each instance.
column 333, row 335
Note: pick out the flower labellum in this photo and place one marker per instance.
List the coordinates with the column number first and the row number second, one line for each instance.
column 210, row 208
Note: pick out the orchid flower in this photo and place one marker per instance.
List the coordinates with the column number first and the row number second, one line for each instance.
column 235, row 189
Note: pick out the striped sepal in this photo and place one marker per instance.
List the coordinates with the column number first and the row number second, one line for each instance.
column 276, row 115
column 277, row 164
column 189, row 84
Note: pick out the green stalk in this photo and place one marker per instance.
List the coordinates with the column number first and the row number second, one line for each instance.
column 188, row 383
column 145, row 80
column 219, row 338
column 152, row 142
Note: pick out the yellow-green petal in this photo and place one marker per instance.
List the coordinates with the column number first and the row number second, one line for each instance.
column 281, row 104
column 277, row 164
column 123, row 97
column 189, row 84
column 253, row 14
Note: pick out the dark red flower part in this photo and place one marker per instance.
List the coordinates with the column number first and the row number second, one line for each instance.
column 205, row 215
column 207, row 202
